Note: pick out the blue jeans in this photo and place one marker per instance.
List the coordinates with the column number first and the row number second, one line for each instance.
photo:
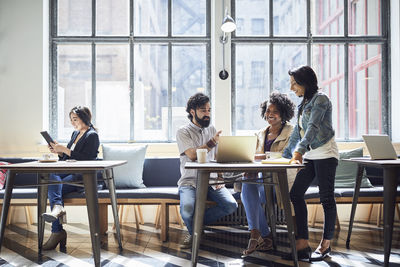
column 56, row 193
column 253, row 195
column 324, row 170
column 226, row 204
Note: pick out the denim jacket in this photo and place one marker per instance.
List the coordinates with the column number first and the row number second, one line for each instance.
column 317, row 125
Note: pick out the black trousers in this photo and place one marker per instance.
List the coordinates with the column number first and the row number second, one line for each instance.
column 324, row 170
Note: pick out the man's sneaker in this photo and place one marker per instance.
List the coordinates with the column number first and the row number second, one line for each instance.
column 187, row 242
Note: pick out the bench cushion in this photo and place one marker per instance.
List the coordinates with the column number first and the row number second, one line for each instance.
column 161, row 172
column 376, row 191
column 313, row 192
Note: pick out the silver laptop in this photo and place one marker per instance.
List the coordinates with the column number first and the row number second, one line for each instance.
column 379, row 147
column 236, row 148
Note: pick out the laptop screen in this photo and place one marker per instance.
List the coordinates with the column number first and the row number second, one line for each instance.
column 379, row 147
column 236, row 148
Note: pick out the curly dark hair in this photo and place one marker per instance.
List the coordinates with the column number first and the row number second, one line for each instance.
column 282, row 102
column 305, row 76
column 196, row 101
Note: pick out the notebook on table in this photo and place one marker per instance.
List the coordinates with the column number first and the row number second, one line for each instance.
column 236, row 149
column 379, row 147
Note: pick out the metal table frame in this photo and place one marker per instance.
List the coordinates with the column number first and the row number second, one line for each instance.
column 203, row 176
column 88, row 169
column 390, row 182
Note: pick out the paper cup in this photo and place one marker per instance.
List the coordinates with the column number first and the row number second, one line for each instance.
column 201, row 155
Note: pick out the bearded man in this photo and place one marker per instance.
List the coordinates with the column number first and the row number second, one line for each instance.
column 199, row 133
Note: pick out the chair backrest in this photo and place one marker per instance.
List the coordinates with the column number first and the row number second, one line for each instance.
column 161, row 172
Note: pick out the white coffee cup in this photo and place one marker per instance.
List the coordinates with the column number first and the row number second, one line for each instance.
column 201, row 155
column 46, row 156
column 275, row 155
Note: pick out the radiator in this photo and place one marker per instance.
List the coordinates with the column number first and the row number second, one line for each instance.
column 239, row 216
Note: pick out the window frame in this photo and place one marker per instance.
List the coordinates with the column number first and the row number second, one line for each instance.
column 131, row 40
column 309, row 40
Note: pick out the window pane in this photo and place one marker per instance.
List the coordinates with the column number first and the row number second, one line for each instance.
column 290, row 17
column 252, row 17
column 74, row 17
column 365, row 90
column 151, row 92
column 251, row 86
column 328, row 63
column 189, row 71
column 112, row 92
column 364, row 17
column 189, row 17
column 74, row 83
column 287, row 57
column 328, row 19
column 151, row 17
column 112, row 17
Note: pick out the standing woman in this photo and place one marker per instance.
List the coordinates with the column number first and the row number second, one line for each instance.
column 277, row 112
column 84, row 145
column 313, row 139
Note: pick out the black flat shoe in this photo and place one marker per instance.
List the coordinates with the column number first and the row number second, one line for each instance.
column 318, row 256
column 302, row 254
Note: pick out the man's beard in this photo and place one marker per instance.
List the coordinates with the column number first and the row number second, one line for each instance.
column 203, row 123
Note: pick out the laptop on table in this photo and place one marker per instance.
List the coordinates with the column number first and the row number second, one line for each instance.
column 380, row 147
column 236, row 149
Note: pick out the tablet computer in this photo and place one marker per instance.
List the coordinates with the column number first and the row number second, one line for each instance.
column 47, row 137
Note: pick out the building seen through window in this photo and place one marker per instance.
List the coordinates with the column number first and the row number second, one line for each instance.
column 135, row 77
column 357, row 95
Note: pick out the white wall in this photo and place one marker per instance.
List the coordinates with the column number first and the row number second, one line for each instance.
column 21, row 75
column 395, row 66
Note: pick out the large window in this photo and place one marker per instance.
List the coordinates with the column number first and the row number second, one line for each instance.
column 346, row 43
column 134, row 63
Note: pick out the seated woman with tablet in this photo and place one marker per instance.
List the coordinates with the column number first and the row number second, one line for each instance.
column 84, row 145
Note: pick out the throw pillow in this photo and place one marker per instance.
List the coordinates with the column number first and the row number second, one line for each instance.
column 3, row 174
column 129, row 175
column 346, row 171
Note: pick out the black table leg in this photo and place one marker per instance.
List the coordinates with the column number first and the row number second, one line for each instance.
column 284, row 188
column 201, row 196
column 90, row 182
column 357, row 185
column 6, row 203
column 270, row 207
column 111, row 189
column 389, row 197
column 42, row 203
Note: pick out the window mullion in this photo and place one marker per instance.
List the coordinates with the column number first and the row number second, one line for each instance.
column 53, row 119
column 169, row 137
column 131, row 73
column 309, row 34
column 94, row 112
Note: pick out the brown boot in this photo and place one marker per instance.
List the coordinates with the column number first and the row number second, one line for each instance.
column 255, row 242
column 55, row 239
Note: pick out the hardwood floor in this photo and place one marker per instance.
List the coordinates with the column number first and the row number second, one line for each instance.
column 221, row 246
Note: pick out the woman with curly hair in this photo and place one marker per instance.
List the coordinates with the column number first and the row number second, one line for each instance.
column 276, row 111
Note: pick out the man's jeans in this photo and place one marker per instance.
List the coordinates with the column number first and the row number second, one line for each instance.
column 56, row 193
column 226, row 204
column 253, row 195
column 324, row 170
